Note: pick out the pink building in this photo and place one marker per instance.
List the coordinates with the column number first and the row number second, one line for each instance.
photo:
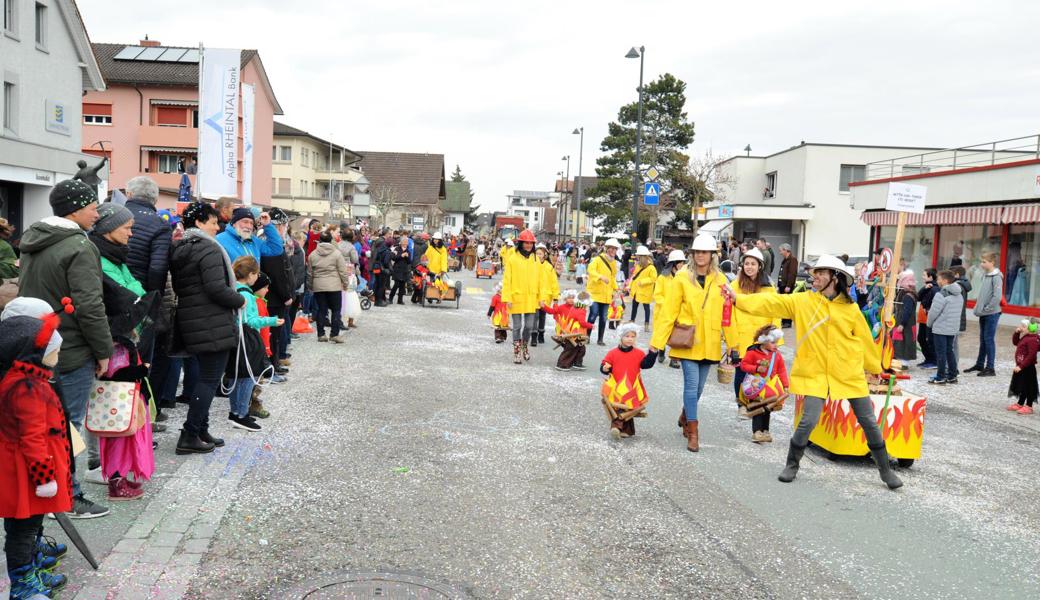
column 146, row 122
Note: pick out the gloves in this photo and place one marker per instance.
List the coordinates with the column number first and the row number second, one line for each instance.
column 47, row 490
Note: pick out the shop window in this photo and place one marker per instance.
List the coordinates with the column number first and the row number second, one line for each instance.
column 918, row 247
column 170, row 117
column 964, row 245
column 1023, row 265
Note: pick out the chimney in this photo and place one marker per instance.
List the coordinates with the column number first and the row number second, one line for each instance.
column 149, row 43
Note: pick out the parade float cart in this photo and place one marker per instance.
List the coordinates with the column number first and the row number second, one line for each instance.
column 454, row 263
column 441, row 291
column 485, row 268
column 900, row 415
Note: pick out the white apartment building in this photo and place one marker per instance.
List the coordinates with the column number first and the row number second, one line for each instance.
column 313, row 177
column 531, row 206
column 800, row 196
column 45, row 66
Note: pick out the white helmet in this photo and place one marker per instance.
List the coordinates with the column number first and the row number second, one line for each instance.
column 833, row 263
column 541, row 245
column 612, row 243
column 569, row 294
column 754, row 253
column 510, row 242
column 676, row 256
column 705, row 242
column 438, row 235
column 643, row 251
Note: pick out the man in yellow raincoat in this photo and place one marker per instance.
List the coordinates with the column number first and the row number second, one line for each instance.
column 835, row 347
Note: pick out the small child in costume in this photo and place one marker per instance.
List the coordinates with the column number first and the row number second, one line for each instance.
column 35, row 451
column 616, row 310
column 623, row 394
column 420, row 275
column 1023, row 382
column 246, row 371
column 351, row 297
column 574, row 329
column 765, row 387
column 581, row 272
column 499, row 313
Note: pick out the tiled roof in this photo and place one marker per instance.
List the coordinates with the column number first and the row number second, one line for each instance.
column 457, row 197
column 416, row 178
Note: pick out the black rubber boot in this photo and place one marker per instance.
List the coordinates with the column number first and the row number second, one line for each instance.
column 191, row 444
column 794, row 457
column 880, row 455
column 534, row 339
column 541, row 337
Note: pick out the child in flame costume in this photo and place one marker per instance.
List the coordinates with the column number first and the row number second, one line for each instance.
column 764, row 388
column 499, row 314
column 575, row 328
column 624, row 396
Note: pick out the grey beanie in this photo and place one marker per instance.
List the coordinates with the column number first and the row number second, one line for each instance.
column 110, row 217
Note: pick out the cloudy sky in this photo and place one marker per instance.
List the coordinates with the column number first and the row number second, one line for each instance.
column 498, row 87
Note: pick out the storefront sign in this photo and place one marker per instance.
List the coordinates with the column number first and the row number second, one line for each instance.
column 725, row 211
column 906, row 197
column 56, row 118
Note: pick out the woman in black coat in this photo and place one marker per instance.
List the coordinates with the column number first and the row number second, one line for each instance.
column 401, row 270
column 206, row 323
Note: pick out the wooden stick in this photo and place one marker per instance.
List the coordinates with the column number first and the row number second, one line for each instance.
column 610, row 410
column 897, row 255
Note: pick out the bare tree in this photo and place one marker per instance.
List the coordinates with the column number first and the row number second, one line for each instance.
column 706, row 180
column 385, row 197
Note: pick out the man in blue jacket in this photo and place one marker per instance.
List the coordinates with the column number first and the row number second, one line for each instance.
column 149, row 254
column 239, row 238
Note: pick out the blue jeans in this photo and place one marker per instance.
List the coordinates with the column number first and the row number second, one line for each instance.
column 987, row 341
column 945, row 356
column 240, row 396
column 75, row 389
column 695, row 375
column 598, row 310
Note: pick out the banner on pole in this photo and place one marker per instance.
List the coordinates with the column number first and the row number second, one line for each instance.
column 248, row 114
column 219, row 83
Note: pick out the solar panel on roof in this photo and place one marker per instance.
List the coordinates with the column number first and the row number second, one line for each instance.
column 172, row 54
column 129, row 53
column 191, row 56
column 150, row 53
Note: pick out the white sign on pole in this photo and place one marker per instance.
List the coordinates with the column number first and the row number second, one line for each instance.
column 906, row 197
column 248, row 115
column 219, row 83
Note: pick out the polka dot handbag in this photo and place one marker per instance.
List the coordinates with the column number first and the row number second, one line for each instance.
column 115, row 409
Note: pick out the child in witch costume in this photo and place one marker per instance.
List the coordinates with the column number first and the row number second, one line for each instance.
column 1023, row 382
column 35, row 476
column 624, row 396
column 499, row 313
column 574, row 329
column 764, row 389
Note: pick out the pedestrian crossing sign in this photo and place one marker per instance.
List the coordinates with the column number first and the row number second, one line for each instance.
column 651, row 193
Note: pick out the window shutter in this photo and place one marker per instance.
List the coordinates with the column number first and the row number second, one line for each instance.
column 170, row 116
column 97, row 109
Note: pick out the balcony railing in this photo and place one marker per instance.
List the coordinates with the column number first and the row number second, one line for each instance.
column 965, row 157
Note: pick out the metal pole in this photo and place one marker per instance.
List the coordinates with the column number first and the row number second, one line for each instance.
column 577, row 208
column 639, row 142
column 198, row 152
column 566, row 184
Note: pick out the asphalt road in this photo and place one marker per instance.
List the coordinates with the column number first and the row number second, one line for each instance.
column 418, row 447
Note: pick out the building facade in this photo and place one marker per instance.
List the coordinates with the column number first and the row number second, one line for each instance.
column 534, row 208
column 800, row 196
column 45, row 67
column 406, row 189
column 979, row 199
column 316, row 178
column 146, row 121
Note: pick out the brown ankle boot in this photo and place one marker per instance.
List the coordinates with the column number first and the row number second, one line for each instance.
column 682, row 419
column 693, row 442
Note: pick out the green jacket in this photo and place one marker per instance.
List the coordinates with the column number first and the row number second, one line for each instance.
column 252, row 314
column 8, row 268
column 58, row 261
column 121, row 275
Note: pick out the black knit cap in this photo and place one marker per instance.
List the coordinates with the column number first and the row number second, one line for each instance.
column 240, row 213
column 17, row 340
column 261, row 282
column 71, row 195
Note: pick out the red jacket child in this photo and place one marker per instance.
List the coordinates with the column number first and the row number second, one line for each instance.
column 1026, row 348
column 756, row 362
column 571, row 318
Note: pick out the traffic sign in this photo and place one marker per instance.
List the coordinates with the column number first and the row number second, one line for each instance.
column 651, row 193
column 652, row 173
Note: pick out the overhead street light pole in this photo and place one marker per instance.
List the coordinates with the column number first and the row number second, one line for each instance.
column 577, row 202
column 563, row 195
column 640, row 54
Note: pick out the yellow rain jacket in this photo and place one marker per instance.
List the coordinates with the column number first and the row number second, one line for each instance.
column 522, row 284
column 550, row 286
column 686, row 303
column 835, row 346
column 746, row 324
column 643, row 283
column 664, row 280
column 438, row 259
column 602, row 266
column 505, row 254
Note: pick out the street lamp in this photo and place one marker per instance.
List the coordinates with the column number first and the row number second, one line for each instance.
column 563, row 192
column 640, row 54
column 577, row 203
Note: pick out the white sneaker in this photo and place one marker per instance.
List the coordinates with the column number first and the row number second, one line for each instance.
column 95, row 476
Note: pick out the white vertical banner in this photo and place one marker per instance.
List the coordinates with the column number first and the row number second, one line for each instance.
column 248, row 115
column 219, row 82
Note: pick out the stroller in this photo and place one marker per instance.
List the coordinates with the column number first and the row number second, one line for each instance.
column 365, row 294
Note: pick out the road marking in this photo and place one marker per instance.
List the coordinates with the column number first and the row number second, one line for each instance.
column 475, row 290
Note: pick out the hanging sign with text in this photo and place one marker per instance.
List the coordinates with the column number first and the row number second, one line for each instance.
column 906, row 197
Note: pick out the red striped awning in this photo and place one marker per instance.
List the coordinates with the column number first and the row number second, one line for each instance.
column 1021, row 213
column 938, row 216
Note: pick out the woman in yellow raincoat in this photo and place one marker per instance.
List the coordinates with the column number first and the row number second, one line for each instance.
column 676, row 259
column 835, row 347
column 550, row 291
column 521, row 291
column 693, row 299
column 437, row 256
column 751, row 279
column 642, row 285
column 602, row 285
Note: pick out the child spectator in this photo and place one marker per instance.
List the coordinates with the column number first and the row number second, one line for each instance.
column 1023, row 382
column 623, row 393
column 35, row 451
column 574, row 329
column 944, row 321
column 581, row 272
column 763, row 359
column 904, row 336
column 247, row 369
column 924, row 334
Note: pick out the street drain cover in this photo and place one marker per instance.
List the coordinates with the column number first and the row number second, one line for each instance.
column 373, row 586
